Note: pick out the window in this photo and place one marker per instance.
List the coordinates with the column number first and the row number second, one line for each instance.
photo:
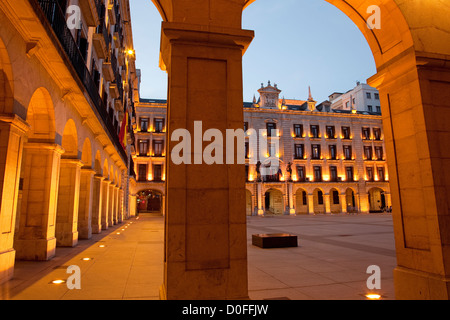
column 245, row 126
column 368, row 95
column 333, row 174
column 377, row 133
column 379, row 153
column 157, row 172
column 301, row 174
column 299, row 151
column 369, row 173
column 378, row 109
column 314, row 131
column 366, row 133
column 330, row 132
column 347, row 105
column 377, row 96
column 144, row 124
column 304, row 198
column 317, row 173
column 345, row 132
column 349, row 174
column 143, row 148
column 368, row 153
column 319, row 197
column 159, row 125
column 335, row 197
column 370, row 108
column 348, row 152
column 298, row 130
column 271, row 127
column 157, row 148
column 142, row 172
column 315, row 151
column 333, row 152
column 381, row 176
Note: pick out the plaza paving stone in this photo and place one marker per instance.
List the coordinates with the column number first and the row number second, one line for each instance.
column 330, row 262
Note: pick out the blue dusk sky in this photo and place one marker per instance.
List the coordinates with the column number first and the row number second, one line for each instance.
column 298, row 43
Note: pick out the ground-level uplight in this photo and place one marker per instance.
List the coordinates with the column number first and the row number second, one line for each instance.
column 58, row 281
column 373, row 296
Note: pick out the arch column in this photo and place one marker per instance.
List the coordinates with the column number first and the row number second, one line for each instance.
column 36, row 239
column 12, row 132
column 86, row 206
column 327, row 202
column 111, row 205
column 68, row 203
column 121, row 215
column 259, row 199
column 414, row 94
column 311, row 204
column 344, row 204
column 97, row 198
column 105, row 203
column 203, row 250
column 116, row 204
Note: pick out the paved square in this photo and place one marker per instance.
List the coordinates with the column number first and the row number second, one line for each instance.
column 330, row 262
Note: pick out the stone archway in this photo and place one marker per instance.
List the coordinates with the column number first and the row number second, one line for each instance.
column 149, row 201
column 301, row 202
column 205, row 39
column 274, row 203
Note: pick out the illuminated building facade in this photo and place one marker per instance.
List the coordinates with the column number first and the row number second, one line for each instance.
column 66, row 88
column 336, row 158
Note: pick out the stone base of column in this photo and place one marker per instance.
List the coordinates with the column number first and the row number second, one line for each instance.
column 412, row 284
column 7, row 265
column 85, row 233
column 292, row 212
column 96, row 229
column 67, row 239
column 35, row 250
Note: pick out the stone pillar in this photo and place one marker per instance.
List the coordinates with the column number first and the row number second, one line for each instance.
column 12, row 131
column 327, row 200
column 344, row 204
column 111, row 206
column 97, row 197
column 68, row 202
column 362, row 202
column 105, row 204
column 291, row 200
column 86, row 204
column 35, row 239
column 311, row 204
column 121, row 215
column 259, row 197
column 206, row 245
column 132, row 205
column 414, row 92
column 116, row 204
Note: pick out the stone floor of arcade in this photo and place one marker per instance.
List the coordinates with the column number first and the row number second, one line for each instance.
column 126, row 261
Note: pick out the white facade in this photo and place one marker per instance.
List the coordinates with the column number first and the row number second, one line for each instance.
column 362, row 98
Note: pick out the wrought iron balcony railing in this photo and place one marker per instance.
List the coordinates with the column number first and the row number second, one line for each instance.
column 52, row 16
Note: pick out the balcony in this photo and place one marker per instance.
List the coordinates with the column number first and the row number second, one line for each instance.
column 113, row 90
column 54, row 20
column 108, row 73
column 92, row 11
column 112, row 11
column 101, row 41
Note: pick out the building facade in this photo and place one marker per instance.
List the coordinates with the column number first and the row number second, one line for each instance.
column 363, row 98
column 328, row 161
column 66, row 88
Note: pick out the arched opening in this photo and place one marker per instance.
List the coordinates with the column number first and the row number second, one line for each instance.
column 86, row 153
column 409, row 60
column 319, row 201
column 350, row 201
column 98, row 163
column 41, row 117
column 273, row 202
column 335, row 202
column 70, row 140
column 301, row 202
column 149, row 201
column 248, row 203
column 377, row 200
